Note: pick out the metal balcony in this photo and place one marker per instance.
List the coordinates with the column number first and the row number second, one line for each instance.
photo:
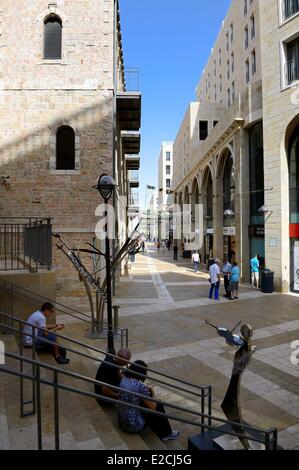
column 132, row 162
column 133, row 178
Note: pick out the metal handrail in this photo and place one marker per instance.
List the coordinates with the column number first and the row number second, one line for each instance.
column 86, row 319
column 91, row 347
column 269, row 442
column 201, row 389
column 25, row 243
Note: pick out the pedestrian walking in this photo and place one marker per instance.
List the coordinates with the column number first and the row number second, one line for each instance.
column 254, row 268
column 175, row 251
column 158, row 245
column 226, row 270
column 234, row 280
column 195, row 260
column 214, row 279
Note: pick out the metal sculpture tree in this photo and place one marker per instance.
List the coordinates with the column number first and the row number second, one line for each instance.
column 91, row 281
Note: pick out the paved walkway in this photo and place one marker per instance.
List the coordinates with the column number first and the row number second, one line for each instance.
column 164, row 305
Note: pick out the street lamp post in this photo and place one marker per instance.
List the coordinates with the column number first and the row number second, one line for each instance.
column 106, row 185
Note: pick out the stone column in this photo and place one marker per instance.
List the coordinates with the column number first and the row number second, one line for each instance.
column 217, row 212
column 242, row 202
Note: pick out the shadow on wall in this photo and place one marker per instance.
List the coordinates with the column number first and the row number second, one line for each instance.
column 34, row 191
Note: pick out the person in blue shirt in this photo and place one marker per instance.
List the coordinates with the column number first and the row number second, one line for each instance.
column 254, row 268
column 234, row 280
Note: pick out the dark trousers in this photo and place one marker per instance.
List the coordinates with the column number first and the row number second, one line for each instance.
column 175, row 254
column 226, row 284
column 215, row 286
column 158, row 424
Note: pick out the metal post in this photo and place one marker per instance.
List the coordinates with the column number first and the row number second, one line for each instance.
column 210, row 405
column 202, row 400
column 21, row 371
column 56, row 410
column 110, row 345
column 115, row 311
column 39, row 410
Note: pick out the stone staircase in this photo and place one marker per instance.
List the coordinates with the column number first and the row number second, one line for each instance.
column 83, row 423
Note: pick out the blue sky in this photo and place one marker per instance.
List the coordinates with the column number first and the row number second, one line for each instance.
column 170, row 42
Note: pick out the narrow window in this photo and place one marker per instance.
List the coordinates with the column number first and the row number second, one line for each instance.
column 168, row 184
column 53, row 38
column 253, row 62
column 203, row 130
column 65, row 148
column 168, row 170
column 246, row 37
column 252, row 23
column 247, row 71
column 168, row 156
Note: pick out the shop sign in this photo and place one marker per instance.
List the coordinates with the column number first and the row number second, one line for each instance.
column 229, row 231
column 256, row 231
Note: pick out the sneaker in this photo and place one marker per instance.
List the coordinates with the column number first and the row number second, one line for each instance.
column 231, row 298
column 236, row 298
column 174, row 435
column 62, row 360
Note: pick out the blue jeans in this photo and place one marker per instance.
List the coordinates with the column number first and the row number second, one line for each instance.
column 215, row 286
column 42, row 345
column 196, row 266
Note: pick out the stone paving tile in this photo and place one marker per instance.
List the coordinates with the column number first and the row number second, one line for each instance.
column 174, row 339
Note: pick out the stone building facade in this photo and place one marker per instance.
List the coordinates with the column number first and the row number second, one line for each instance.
column 228, row 152
column 165, row 173
column 82, row 90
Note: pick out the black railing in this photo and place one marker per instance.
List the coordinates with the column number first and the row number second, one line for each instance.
column 131, row 79
column 292, row 70
column 25, row 243
column 13, row 300
column 290, row 8
column 38, row 375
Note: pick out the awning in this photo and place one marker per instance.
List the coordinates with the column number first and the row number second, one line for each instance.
column 130, row 142
column 129, row 110
column 132, row 162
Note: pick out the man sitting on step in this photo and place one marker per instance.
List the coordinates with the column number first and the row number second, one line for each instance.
column 38, row 320
column 109, row 373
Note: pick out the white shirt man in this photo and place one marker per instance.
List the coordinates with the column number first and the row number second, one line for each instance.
column 195, row 258
column 36, row 319
column 214, row 273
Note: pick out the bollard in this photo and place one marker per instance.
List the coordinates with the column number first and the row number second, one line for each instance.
column 115, row 315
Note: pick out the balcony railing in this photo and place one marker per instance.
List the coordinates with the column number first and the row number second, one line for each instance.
column 134, row 200
column 133, row 175
column 132, row 79
column 25, row 243
column 289, row 8
column 292, row 70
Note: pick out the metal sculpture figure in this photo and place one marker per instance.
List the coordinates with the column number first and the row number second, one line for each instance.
column 231, row 403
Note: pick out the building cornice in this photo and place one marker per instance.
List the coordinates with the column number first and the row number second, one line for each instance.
column 234, row 126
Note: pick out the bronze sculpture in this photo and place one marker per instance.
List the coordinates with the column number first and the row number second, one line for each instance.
column 231, row 403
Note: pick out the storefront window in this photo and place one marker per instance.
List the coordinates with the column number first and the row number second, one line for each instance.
column 256, row 169
column 229, row 190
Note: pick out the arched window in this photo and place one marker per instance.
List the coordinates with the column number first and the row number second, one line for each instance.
column 294, row 177
column 65, row 148
column 53, row 38
column 229, row 187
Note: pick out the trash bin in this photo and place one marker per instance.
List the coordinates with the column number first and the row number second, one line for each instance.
column 187, row 254
column 267, row 281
